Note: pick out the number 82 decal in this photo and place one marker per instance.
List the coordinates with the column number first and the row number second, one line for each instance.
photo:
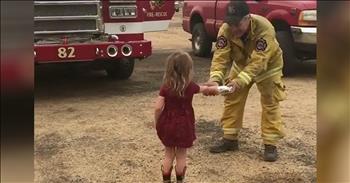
column 66, row 52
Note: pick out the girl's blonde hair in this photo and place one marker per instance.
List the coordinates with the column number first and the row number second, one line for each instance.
column 178, row 73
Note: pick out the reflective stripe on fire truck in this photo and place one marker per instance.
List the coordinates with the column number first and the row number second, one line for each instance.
column 136, row 27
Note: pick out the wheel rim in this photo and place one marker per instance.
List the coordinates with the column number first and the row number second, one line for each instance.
column 197, row 42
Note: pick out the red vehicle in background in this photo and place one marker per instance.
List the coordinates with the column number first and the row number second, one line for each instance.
column 109, row 33
column 294, row 22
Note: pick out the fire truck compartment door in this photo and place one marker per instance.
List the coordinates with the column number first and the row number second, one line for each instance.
column 157, row 14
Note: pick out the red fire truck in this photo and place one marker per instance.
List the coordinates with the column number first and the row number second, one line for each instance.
column 109, row 33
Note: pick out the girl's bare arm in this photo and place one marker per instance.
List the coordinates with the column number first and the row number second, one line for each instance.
column 208, row 89
column 158, row 108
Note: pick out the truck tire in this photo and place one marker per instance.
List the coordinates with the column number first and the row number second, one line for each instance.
column 290, row 60
column 201, row 44
column 121, row 69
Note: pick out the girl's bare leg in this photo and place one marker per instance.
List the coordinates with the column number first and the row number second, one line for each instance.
column 181, row 154
column 168, row 159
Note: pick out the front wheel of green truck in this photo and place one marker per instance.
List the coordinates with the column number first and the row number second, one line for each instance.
column 121, row 69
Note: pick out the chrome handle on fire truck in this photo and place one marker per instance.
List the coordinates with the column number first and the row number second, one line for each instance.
column 112, row 51
column 124, row 1
column 85, row 17
column 68, row 31
column 114, row 37
column 126, row 50
column 65, row 2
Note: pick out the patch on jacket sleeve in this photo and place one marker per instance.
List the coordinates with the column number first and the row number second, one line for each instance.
column 221, row 42
column 261, row 44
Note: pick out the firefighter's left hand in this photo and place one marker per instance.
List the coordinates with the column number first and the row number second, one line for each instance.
column 234, row 85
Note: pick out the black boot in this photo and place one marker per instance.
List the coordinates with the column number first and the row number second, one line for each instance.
column 180, row 176
column 166, row 175
column 224, row 145
column 270, row 153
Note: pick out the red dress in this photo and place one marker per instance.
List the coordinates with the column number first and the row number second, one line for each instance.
column 175, row 127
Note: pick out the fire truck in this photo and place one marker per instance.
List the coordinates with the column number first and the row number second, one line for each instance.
column 107, row 33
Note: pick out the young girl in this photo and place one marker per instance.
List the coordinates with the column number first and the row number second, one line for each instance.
column 174, row 114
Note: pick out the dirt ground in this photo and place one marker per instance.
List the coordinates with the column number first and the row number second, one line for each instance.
column 89, row 128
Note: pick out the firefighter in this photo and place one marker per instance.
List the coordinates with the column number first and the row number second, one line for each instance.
column 247, row 52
